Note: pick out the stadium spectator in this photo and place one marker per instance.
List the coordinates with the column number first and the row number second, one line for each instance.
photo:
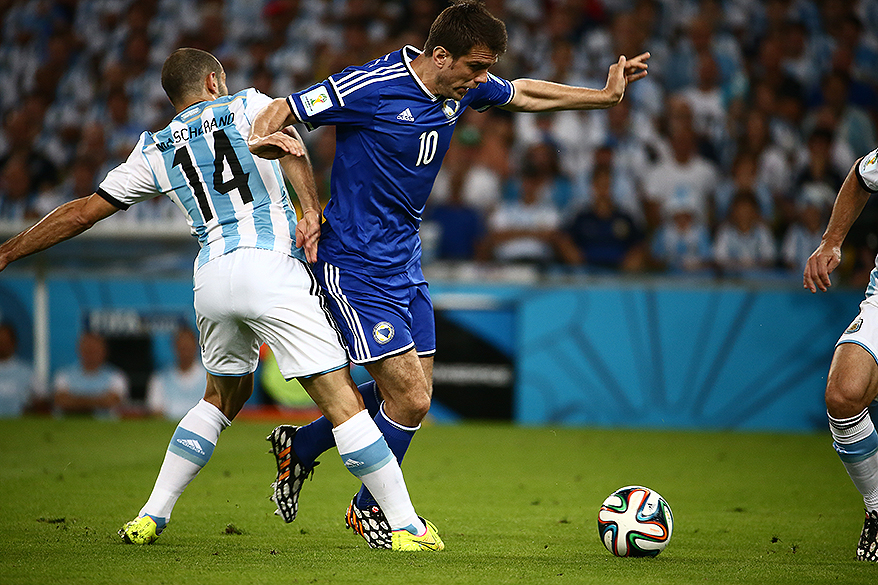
column 460, row 227
column 682, row 244
column 607, row 237
column 541, row 169
column 816, row 175
column 172, row 391
column 804, row 234
column 744, row 177
column 744, row 244
column 17, row 390
column 92, row 385
column 16, row 199
column 682, row 173
column 527, row 230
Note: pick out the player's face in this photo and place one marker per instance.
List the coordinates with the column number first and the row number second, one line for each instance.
column 465, row 73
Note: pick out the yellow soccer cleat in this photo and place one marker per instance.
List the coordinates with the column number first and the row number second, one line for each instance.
column 405, row 540
column 141, row 530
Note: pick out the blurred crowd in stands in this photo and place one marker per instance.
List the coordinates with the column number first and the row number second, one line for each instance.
column 725, row 160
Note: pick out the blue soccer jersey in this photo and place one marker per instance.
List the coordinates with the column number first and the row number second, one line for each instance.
column 231, row 198
column 391, row 136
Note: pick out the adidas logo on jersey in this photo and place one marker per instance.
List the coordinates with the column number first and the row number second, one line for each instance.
column 406, row 116
column 352, row 463
column 192, row 444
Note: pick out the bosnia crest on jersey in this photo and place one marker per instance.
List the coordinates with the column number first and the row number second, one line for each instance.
column 450, row 107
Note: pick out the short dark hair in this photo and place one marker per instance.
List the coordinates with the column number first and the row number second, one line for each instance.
column 184, row 71
column 464, row 25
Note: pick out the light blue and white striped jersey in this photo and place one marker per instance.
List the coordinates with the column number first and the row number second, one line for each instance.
column 867, row 175
column 231, row 198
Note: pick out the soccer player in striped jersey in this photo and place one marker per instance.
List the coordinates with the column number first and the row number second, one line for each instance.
column 251, row 283
column 852, row 383
column 394, row 118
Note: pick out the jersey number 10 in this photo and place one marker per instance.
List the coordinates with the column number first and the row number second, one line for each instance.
column 429, row 142
column 223, row 153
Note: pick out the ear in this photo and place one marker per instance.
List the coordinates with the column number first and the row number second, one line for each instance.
column 211, row 83
column 441, row 57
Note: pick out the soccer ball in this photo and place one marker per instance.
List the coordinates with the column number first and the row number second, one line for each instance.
column 635, row 522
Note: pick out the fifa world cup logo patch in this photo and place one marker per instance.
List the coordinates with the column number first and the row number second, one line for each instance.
column 855, row 326
column 382, row 332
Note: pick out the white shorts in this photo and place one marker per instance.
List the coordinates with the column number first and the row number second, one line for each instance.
column 251, row 296
column 864, row 329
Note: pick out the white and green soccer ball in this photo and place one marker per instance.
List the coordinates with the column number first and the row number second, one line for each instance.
column 635, row 521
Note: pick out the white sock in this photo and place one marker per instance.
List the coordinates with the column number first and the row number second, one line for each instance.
column 365, row 453
column 856, row 443
column 189, row 450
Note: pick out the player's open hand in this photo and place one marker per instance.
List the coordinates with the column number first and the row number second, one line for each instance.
column 308, row 233
column 276, row 145
column 823, row 261
column 623, row 72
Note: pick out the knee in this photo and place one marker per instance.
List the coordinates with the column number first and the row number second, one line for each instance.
column 412, row 407
column 843, row 401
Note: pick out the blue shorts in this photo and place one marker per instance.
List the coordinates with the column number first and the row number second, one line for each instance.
column 382, row 316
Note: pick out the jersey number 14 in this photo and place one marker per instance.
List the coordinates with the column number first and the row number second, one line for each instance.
column 224, row 153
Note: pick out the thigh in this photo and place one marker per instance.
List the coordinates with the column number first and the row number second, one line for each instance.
column 399, row 376
column 853, row 374
column 372, row 313
column 295, row 323
column 228, row 346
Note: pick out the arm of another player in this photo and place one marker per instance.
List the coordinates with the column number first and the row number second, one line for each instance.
column 848, row 204
column 533, row 95
column 300, row 173
column 64, row 222
column 267, row 136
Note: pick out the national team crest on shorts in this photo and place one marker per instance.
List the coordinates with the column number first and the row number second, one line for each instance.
column 382, row 332
column 855, row 326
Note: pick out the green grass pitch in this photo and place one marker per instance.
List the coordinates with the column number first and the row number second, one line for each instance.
column 514, row 505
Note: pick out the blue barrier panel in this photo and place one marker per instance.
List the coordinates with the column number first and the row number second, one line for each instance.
column 732, row 358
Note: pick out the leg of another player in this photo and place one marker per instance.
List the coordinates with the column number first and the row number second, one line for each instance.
column 406, row 386
column 851, row 386
column 363, row 449
column 316, row 437
column 193, row 442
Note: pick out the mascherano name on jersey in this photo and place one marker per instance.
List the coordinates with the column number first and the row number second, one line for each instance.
column 189, row 132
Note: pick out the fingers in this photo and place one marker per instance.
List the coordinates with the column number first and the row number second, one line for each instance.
column 817, row 270
column 275, row 145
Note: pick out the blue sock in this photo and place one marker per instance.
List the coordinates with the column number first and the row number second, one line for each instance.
column 398, row 439
column 316, row 437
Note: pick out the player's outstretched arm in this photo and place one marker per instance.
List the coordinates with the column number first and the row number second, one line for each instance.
column 533, row 95
column 267, row 138
column 847, row 208
column 64, row 222
column 300, row 173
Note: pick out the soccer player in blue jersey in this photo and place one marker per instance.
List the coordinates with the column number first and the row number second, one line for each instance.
column 394, row 118
column 852, row 383
column 251, row 286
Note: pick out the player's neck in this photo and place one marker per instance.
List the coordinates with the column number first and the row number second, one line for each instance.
column 426, row 72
